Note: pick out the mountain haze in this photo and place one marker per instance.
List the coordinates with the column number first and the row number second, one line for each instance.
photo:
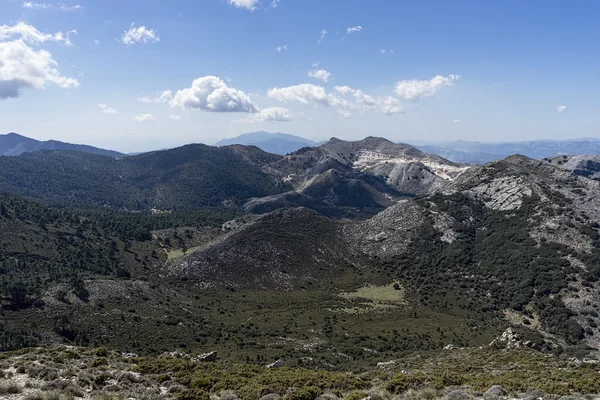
column 277, row 143
column 13, row 144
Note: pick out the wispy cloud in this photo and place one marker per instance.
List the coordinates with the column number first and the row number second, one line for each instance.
column 59, row 6
column 414, row 90
column 144, row 118
column 353, row 29
column 282, row 48
column 107, row 109
column 323, row 34
column 561, row 109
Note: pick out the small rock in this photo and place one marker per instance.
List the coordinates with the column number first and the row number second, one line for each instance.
column 208, row 357
column 228, row 396
column 457, row 395
column 496, row 391
column 535, row 394
column 277, row 364
column 270, row 396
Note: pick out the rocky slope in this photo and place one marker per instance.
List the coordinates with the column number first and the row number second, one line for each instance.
column 523, row 227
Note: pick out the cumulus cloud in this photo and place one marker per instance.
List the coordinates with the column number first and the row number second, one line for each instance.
column 561, row 109
column 414, row 90
column 320, row 74
column 271, row 114
column 144, row 118
column 305, row 93
column 249, row 5
column 352, row 29
column 139, row 35
column 22, row 67
column 323, row 34
column 30, row 34
column 281, row 48
column 175, row 117
column 345, row 98
column 210, row 93
column 107, row 109
column 344, row 114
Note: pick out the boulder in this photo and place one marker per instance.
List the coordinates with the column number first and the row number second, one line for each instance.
column 208, row 357
column 270, row 396
column 496, row 391
column 277, row 364
column 457, row 395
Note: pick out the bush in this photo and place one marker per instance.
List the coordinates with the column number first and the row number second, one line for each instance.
column 10, row 388
column 401, row 383
column 307, row 393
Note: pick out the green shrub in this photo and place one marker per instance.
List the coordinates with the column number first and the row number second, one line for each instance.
column 307, row 393
column 401, row 383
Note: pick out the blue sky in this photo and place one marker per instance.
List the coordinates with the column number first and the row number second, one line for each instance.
column 472, row 70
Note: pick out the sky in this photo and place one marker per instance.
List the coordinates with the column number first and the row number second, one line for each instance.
column 139, row 75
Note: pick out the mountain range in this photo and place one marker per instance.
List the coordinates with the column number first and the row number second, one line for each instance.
column 13, row 144
column 236, row 250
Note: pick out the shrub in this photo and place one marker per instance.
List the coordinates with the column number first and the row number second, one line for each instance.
column 307, row 393
column 10, row 388
column 401, row 383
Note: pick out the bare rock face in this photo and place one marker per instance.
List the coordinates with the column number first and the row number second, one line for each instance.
column 277, row 364
column 208, row 357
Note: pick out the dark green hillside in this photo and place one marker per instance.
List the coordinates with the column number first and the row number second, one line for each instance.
column 184, row 178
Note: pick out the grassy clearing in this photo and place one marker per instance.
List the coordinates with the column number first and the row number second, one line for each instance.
column 392, row 293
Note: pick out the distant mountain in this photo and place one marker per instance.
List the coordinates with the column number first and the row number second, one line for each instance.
column 183, row 178
column 277, row 143
column 479, row 153
column 13, row 144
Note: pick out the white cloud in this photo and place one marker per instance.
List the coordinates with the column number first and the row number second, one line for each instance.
column 69, row 8
column 210, row 93
column 345, row 99
column 281, row 48
column 315, row 64
column 387, row 105
column 161, row 97
column 352, row 29
column 29, row 4
column 323, row 34
column 383, row 51
column 59, row 6
column 144, row 118
column 107, row 109
column 414, row 90
column 22, row 67
column 271, row 114
column 175, row 117
column 456, row 121
column 561, row 109
column 30, row 34
column 249, row 5
column 139, row 35
column 275, row 3
column 320, row 74
column 344, row 114
column 96, row 42
column 305, row 93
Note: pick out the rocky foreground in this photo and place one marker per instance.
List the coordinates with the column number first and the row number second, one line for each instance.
column 454, row 374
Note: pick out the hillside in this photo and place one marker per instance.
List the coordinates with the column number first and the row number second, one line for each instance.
column 513, row 243
column 183, row 178
column 276, row 143
column 12, row 144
